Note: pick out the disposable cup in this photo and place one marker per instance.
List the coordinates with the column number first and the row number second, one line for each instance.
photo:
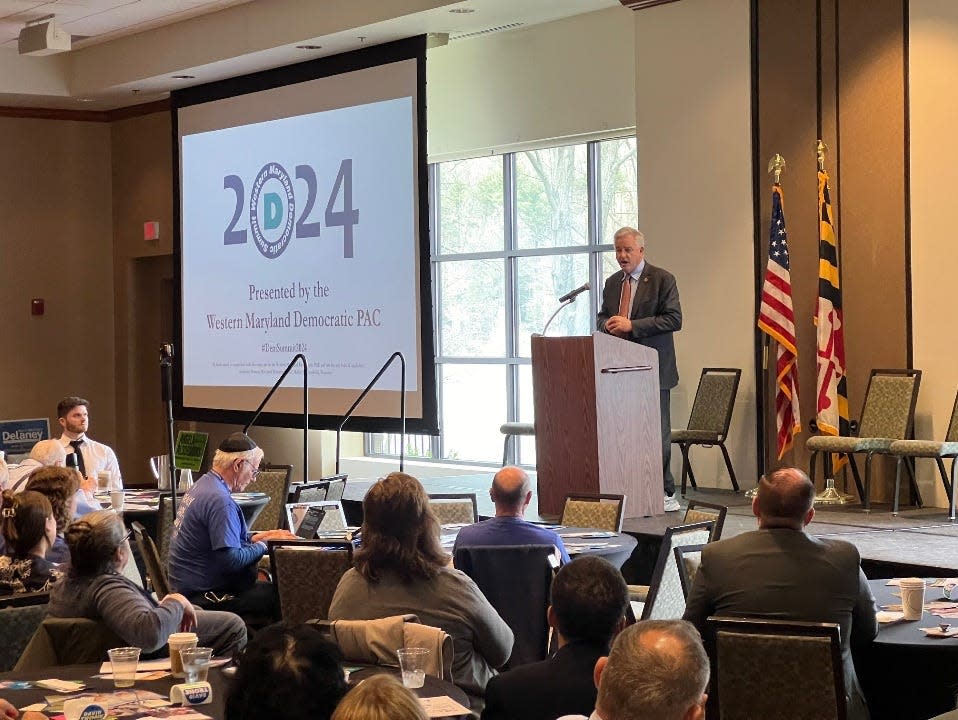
column 116, row 500
column 196, row 663
column 178, row 642
column 124, row 661
column 412, row 665
column 104, row 480
column 912, row 597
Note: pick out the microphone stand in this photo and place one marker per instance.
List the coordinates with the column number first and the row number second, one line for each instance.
column 256, row 414
column 552, row 317
column 166, row 384
column 402, row 408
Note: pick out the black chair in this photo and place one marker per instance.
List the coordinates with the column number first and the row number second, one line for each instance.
column 306, row 573
column 337, row 487
column 520, row 596
column 663, row 598
column 20, row 616
column 155, row 571
column 310, row 492
column 688, row 558
column 68, row 641
column 776, row 669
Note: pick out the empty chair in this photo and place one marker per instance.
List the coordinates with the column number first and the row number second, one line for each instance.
column 599, row 510
column 887, row 415
column 688, row 558
column 454, row 508
column 663, row 598
column 710, row 419
column 272, row 480
column 311, row 491
column 520, row 595
column 20, row 616
column 903, row 449
column 337, row 487
column 777, row 669
column 155, row 571
column 306, row 574
column 700, row 511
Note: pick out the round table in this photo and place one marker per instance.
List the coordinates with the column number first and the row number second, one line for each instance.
column 904, row 673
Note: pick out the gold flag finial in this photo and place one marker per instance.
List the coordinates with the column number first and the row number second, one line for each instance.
column 776, row 165
column 820, row 149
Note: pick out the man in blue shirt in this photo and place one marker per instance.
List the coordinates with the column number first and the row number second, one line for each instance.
column 213, row 555
column 511, row 492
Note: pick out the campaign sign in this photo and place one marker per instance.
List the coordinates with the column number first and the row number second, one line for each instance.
column 17, row 437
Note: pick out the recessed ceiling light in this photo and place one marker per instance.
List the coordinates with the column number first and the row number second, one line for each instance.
column 84, row 100
column 183, row 77
column 309, row 47
column 462, row 10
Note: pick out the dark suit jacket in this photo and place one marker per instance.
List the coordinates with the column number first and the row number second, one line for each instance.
column 788, row 575
column 656, row 314
column 560, row 685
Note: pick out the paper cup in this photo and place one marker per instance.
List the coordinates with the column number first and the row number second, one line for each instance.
column 412, row 664
column 912, row 597
column 178, row 642
column 104, row 480
column 124, row 661
column 116, row 500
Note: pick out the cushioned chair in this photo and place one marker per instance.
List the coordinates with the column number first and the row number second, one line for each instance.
column 164, row 528
column 454, row 508
column 306, row 574
column 699, row 511
column 599, row 510
column 777, row 669
column 310, row 492
column 887, row 415
column 663, row 598
column 20, row 616
column 273, row 480
column 155, row 571
column 337, row 487
column 710, row 419
column 903, row 449
column 375, row 642
column 688, row 559
column 68, row 641
column 520, row 595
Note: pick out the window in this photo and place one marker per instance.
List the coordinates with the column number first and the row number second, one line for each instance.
column 511, row 234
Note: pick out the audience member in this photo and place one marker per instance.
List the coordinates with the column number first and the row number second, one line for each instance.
column 7, row 710
column 589, row 600
column 402, row 568
column 59, row 485
column 289, row 672
column 27, row 523
column 780, row 571
column 380, row 697
column 657, row 670
column 42, row 454
column 511, row 492
column 73, row 414
column 213, row 555
column 94, row 588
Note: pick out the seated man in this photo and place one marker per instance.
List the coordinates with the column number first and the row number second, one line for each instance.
column 50, row 453
column 589, row 598
column 511, row 493
column 657, row 670
column 213, row 555
column 782, row 572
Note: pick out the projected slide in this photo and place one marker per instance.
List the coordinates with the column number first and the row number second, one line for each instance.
column 298, row 237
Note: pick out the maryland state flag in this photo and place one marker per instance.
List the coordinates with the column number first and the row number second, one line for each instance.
column 832, row 414
column 776, row 319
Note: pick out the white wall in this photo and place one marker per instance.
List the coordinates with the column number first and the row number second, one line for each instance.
column 572, row 78
column 933, row 66
column 695, row 200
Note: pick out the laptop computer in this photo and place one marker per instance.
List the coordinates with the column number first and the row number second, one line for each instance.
column 319, row 518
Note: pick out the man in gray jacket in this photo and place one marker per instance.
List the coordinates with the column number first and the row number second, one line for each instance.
column 781, row 572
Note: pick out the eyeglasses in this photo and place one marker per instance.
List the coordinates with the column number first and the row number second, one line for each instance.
column 255, row 471
column 129, row 534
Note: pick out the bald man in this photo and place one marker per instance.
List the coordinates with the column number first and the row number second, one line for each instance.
column 657, row 670
column 511, row 493
column 780, row 571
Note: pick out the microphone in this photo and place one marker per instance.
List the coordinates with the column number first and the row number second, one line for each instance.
column 571, row 295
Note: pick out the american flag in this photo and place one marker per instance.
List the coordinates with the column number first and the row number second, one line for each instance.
column 776, row 318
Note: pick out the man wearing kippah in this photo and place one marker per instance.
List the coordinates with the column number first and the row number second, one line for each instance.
column 213, row 555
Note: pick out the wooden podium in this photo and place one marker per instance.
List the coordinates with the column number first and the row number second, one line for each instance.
column 598, row 428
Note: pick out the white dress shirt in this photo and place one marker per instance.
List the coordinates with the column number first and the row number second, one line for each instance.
column 96, row 457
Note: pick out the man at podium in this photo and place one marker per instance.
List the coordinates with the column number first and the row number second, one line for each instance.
column 641, row 304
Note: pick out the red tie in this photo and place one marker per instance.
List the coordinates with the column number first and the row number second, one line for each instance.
column 625, row 299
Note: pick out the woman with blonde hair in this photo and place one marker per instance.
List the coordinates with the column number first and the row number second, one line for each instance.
column 402, row 568
column 381, row 697
column 29, row 528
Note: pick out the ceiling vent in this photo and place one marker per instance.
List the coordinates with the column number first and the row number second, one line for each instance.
column 487, row 31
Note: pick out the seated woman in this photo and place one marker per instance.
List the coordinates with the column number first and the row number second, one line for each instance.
column 401, row 568
column 27, row 524
column 381, row 697
column 94, row 588
column 59, row 485
column 288, row 671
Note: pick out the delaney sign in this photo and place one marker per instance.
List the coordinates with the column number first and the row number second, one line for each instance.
column 18, row 436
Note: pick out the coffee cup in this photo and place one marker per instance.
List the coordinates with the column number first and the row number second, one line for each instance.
column 912, row 597
column 116, row 500
column 104, row 480
column 178, row 642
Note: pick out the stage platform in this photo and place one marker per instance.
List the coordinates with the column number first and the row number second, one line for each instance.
column 916, row 542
